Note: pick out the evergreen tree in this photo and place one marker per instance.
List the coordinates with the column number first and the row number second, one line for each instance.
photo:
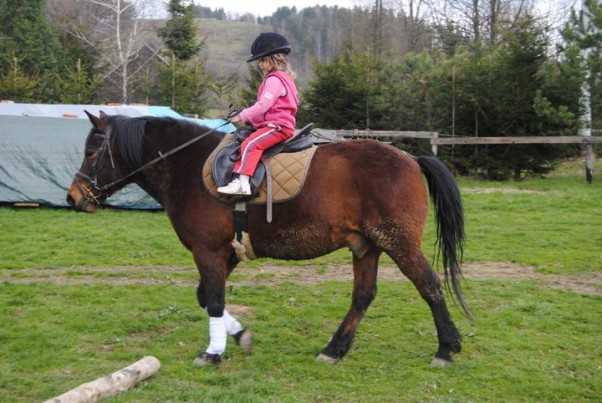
column 16, row 85
column 77, row 85
column 341, row 95
column 79, row 79
column 183, row 87
column 409, row 91
column 222, row 89
column 180, row 32
column 183, row 83
column 25, row 33
column 503, row 92
column 523, row 109
column 583, row 32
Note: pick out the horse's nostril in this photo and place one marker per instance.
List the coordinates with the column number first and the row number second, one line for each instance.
column 70, row 200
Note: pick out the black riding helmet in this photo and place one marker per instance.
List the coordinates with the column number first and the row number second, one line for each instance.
column 268, row 43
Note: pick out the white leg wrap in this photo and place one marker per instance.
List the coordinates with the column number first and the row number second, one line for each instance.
column 217, row 336
column 232, row 325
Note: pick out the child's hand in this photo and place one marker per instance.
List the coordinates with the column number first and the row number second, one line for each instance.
column 233, row 112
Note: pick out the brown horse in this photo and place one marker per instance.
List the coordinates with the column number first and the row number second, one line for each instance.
column 360, row 194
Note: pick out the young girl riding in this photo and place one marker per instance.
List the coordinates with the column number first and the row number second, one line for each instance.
column 272, row 116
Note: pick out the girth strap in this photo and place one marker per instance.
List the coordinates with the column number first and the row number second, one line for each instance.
column 269, row 195
column 240, row 220
column 242, row 242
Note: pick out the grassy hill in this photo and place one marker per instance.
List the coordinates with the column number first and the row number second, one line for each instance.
column 227, row 45
column 226, row 49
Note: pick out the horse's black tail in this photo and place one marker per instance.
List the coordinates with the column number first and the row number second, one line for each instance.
column 449, row 219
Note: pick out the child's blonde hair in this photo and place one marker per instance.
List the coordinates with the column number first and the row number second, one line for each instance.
column 279, row 62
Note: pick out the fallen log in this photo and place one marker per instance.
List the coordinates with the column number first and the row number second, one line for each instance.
column 110, row 385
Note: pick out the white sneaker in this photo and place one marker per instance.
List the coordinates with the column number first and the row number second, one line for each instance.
column 236, row 187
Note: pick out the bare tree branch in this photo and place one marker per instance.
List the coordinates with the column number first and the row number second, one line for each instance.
column 115, row 29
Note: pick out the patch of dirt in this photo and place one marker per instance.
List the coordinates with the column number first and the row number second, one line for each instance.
column 505, row 190
column 267, row 274
column 590, row 284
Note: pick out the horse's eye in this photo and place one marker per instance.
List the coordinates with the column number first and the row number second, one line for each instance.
column 90, row 153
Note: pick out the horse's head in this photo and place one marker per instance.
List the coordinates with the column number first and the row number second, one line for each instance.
column 89, row 187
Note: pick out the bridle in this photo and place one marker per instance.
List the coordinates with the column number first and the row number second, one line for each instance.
column 95, row 194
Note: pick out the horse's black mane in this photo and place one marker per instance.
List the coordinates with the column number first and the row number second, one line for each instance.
column 127, row 134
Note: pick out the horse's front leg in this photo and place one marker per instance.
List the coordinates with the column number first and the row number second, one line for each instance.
column 211, row 297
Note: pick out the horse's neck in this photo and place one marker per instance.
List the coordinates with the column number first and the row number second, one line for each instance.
column 174, row 174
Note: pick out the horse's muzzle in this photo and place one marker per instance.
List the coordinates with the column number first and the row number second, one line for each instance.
column 77, row 200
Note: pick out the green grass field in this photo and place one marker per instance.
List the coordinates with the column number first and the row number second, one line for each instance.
column 529, row 342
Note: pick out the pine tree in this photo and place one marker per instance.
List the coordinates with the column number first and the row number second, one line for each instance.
column 16, row 85
column 179, row 32
column 342, row 93
column 25, row 31
column 184, row 88
column 183, row 84
column 77, row 84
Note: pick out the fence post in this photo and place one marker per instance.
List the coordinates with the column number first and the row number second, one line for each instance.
column 434, row 135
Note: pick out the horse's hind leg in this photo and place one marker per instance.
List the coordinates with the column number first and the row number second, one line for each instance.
column 426, row 281
column 365, row 270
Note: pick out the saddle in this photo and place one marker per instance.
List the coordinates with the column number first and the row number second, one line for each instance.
column 227, row 156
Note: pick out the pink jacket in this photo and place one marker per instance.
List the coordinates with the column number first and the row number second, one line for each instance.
column 276, row 102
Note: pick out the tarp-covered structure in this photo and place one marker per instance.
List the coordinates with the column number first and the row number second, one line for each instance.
column 42, row 146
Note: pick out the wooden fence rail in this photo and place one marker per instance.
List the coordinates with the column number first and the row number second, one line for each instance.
column 517, row 140
column 435, row 140
column 375, row 133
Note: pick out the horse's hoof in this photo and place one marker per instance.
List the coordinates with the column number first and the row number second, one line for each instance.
column 244, row 340
column 440, row 362
column 326, row 359
column 205, row 359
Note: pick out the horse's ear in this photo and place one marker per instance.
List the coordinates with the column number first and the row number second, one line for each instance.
column 96, row 122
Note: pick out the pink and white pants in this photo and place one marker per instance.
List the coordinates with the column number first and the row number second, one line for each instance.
column 253, row 147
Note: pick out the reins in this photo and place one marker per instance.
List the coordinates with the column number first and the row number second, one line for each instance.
column 162, row 156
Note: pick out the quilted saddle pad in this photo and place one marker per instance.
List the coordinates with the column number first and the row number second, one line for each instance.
column 288, row 175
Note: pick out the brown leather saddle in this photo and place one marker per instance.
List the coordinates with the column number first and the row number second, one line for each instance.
column 227, row 156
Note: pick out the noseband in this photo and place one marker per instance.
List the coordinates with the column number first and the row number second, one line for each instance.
column 94, row 194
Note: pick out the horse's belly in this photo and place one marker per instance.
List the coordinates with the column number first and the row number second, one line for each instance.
column 293, row 245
